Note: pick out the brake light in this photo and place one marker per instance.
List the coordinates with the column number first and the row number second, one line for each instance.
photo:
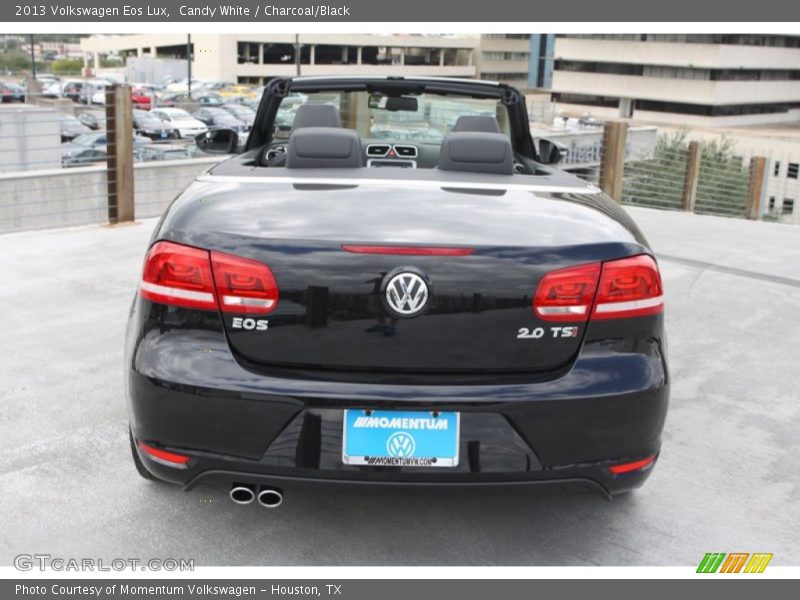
column 244, row 285
column 629, row 467
column 178, row 275
column 170, row 459
column 184, row 276
column 567, row 294
column 629, row 287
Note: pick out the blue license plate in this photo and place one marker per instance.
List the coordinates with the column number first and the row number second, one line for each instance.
column 400, row 438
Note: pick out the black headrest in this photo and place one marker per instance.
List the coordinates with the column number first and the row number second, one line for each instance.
column 316, row 147
column 316, row 115
column 476, row 123
column 477, row 152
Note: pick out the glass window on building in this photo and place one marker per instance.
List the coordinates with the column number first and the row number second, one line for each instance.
column 776, row 170
column 788, row 206
column 791, row 170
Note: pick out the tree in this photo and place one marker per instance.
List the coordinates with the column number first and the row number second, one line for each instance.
column 67, row 66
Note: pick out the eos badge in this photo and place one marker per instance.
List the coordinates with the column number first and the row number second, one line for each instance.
column 250, row 324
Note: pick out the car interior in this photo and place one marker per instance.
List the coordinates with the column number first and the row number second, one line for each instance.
column 318, row 140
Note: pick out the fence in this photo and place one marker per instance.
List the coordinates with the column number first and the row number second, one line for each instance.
column 702, row 177
column 71, row 161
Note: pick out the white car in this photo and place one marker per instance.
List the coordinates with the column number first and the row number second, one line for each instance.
column 99, row 96
column 185, row 123
column 182, row 85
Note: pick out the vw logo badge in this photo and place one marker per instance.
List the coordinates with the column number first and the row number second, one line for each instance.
column 401, row 445
column 407, row 294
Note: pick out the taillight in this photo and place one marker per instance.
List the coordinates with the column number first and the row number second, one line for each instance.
column 244, row 285
column 178, row 275
column 629, row 287
column 184, row 276
column 567, row 294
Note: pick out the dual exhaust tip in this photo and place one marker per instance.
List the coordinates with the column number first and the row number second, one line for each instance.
column 268, row 497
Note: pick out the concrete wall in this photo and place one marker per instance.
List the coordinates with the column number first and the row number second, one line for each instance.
column 66, row 197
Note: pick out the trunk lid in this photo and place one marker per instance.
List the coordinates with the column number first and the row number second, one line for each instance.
column 333, row 311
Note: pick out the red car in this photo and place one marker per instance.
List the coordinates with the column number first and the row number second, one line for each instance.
column 142, row 98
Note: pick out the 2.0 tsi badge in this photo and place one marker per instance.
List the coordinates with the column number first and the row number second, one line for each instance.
column 406, row 294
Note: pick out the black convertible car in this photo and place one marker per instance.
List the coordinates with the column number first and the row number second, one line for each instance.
column 398, row 289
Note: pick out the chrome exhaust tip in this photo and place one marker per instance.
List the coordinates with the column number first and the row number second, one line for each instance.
column 242, row 494
column 270, row 497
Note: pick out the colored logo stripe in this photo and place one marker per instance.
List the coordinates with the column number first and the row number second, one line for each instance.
column 758, row 562
column 711, row 562
column 734, row 562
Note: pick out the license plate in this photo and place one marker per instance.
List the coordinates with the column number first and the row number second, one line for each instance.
column 397, row 438
column 163, row 134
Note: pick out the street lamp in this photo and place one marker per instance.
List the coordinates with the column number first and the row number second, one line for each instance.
column 189, row 63
column 33, row 60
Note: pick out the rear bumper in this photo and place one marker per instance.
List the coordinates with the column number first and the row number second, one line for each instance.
column 188, row 394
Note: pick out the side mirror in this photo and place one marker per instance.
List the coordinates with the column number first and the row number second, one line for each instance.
column 218, row 141
column 551, row 152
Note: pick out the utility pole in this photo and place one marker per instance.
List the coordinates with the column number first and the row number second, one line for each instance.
column 189, row 63
column 297, row 54
column 33, row 60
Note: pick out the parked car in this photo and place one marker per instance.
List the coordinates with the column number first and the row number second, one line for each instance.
column 12, row 92
column 52, row 89
column 170, row 152
column 185, row 123
column 142, row 98
column 196, row 98
column 72, row 90
column 98, row 96
column 71, row 127
column 217, row 118
column 459, row 312
column 237, row 91
column 94, row 91
column 241, row 112
column 74, row 152
column 81, row 157
column 93, row 119
column 149, row 125
column 182, row 85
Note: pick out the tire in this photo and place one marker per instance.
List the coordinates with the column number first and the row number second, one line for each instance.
column 140, row 468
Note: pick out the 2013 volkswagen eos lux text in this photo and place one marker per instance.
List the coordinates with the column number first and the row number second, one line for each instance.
column 392, row 284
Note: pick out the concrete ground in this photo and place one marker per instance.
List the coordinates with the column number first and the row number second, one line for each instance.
column 728, row 479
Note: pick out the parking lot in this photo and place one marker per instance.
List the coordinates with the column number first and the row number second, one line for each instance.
column 728, row 479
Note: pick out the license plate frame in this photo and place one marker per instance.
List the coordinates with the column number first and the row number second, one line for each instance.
column 399, row 438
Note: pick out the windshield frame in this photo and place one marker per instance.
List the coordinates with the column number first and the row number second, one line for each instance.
column 279, row 88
